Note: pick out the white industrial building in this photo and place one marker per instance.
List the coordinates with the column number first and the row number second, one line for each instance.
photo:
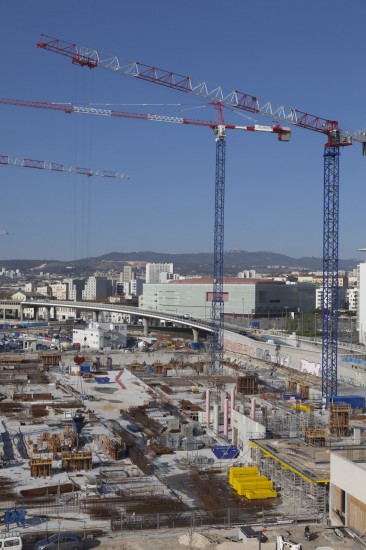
column 101, row 335
column 361, row 306
column 347, row 504
column 242, row 297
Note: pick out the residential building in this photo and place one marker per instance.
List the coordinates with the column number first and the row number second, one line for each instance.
column 75, row 289
column 352, row 298
column 153, row 271
column 127, row 274
column 44, row 289
column 97, row 288
column 59, row 291
column 341, row 297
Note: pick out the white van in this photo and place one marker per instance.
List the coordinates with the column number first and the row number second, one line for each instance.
column 11, row 541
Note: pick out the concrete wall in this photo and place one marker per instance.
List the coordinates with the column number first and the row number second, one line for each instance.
column 347, row 492
column 349, row 476
column 306, row 358
column 246, row 429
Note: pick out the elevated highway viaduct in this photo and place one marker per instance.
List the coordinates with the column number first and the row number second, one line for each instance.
column 96, row 309
column 292, row 353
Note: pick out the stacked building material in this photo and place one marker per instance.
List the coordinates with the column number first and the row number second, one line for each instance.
column 247, row 482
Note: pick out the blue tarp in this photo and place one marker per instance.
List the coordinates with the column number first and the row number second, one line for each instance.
column 225, row 451
column 356, row 401
column 354, row 360
column 102, row 379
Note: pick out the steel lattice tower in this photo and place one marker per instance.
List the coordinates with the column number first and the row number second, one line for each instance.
column 330, row 271
column 217, row 308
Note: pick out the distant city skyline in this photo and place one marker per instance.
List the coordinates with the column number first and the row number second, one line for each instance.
column 274, row 191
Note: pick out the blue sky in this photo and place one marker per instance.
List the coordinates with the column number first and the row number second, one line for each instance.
column 306, row 55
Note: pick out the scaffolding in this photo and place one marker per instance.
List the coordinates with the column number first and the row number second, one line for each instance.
column 305, row 498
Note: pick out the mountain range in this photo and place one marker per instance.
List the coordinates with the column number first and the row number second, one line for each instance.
column 190, row 263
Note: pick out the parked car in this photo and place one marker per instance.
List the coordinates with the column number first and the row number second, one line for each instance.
column 10, row 540
column 64, row 540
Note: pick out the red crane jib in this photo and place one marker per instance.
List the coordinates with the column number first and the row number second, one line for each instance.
column 170, row 79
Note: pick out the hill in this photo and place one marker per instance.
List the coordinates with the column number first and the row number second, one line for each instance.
column 195, row 263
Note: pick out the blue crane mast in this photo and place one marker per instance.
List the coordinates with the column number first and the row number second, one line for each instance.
column 91, row 59
column 243, row 101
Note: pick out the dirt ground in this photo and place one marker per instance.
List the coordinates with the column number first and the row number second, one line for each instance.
column 222, row 539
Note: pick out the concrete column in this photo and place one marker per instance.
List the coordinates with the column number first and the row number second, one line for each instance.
column 216, row 418
column 48, row 313
column 95, row 316
column 222, row 399
column 232, row 404
column 195, row 334
column 145, row 324
column 357, row 436
column 4, row 314
column 36, row 313
column 252, row 408
column 208, row 408
column 226, row 414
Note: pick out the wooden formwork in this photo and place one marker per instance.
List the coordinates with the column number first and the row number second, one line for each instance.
column 49, row 359
column 315, row 436
column 339, row 418
column 116, row 448
column 295, row 386
column 248, row 384
column 292, row 386
column 76, row 460
column 35, row 396
column 40, row 465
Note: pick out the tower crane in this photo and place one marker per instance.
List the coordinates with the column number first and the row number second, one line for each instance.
column 49, row 165
column 92, row 59
column 219, row 128
column 336, row 139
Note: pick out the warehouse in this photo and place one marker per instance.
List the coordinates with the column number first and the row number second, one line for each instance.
column 242, row 297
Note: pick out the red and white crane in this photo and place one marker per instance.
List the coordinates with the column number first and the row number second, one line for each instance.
column 219, row 128
column 282, row 132
column 336, row 138
column 56, row 167
column 92, row 59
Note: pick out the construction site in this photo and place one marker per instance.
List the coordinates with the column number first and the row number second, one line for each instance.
column 130, row 445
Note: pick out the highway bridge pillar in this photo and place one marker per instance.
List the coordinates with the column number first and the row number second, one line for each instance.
column 20, row 314
column 36, row 313
column 145, row 324
column 47, row 313
column 195, row 334
column 95, row 316
column 4, row 313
